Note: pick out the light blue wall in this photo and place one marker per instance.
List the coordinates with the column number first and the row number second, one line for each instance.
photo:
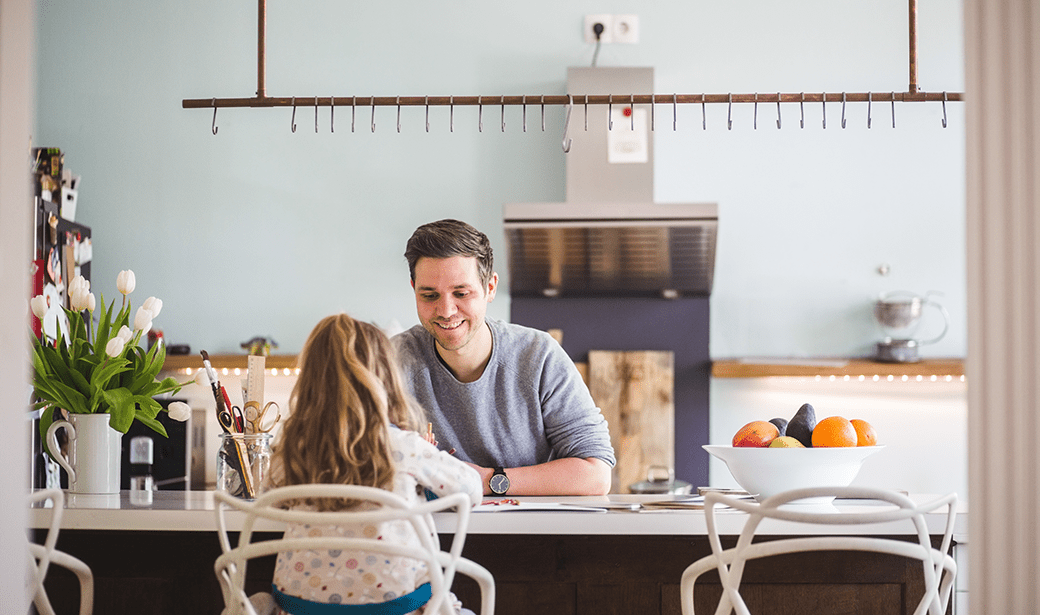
column 259, row 231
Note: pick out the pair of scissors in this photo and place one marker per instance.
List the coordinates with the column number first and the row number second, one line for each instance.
column 231, row 420
column 255, row 417
column 227, row 422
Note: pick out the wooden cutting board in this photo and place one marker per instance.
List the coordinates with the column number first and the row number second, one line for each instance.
column 635, row 390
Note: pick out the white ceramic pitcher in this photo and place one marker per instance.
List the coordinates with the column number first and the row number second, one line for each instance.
column 94, row 457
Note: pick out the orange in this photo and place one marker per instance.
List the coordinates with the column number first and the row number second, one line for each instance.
column 834, row 431
column 756, row 434
column 866, row 435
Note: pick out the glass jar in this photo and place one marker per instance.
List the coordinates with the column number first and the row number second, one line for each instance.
column 243, row 461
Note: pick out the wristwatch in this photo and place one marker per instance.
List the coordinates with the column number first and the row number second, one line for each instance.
column 499, row 482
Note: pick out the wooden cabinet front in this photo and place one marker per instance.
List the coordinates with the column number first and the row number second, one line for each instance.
column 168, row 573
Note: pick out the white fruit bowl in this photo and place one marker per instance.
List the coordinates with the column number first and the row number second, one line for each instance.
column 763, row 472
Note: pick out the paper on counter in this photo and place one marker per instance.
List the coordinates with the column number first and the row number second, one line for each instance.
column 511, row 505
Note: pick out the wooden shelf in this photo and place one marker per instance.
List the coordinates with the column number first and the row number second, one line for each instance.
column 229, row 361
column 766, row 368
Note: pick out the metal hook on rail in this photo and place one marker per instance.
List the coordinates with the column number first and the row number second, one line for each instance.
column 427, row 102
column 675, row 110
column 398, row 114
column 294, row 114
column 801, row 108
column 652, row 97
column 523, row 103
column 754, row 122
column 451, row 113
column 843, row 109
column 213, row 127
column 315, row 115
column 503, row 113
column 373, row 114
column 543, row 112
column 632, row 112
column 586, row 113
column 610, row 112
column 729, row 113
column 825, row 110
column 567, row 125
column 869, row 96
column 704, row 113
column 353, row 112
column 944, row 109
column 332, row 114
column 893, row 109
column 480, row 115
column 778, row 111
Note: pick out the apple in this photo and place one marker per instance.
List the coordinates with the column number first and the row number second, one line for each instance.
column 756, row 434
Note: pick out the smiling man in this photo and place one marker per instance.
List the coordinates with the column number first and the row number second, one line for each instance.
column 507, row 398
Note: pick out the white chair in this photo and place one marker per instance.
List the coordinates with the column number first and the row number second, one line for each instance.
column 42, row 556
column 230, row 566
column 938, row 565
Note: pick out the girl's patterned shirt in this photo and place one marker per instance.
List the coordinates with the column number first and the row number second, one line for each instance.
column 332, row 576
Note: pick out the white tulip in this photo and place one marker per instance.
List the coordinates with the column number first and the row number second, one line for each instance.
column 142, row 320
column 125, row 282
column 39, row 306
column 77, row 283
column 125, row 333
column 153, row 305
column 202, row 378
column 179, row 411
column 82, row 300
column 115, row 346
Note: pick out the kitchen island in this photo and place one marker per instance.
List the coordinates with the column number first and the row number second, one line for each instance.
column 154, row 552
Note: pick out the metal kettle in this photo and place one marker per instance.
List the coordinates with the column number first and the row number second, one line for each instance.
column 661, row 480
column 899, row 314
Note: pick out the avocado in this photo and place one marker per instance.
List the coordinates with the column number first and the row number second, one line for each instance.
column 781, row 424
column 802, row 424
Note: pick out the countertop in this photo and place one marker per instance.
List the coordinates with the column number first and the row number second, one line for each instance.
column 193, row 511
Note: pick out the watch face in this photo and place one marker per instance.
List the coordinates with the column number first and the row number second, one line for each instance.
column 499, row 483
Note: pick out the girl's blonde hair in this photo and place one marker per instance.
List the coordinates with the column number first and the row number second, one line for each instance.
column 348, row 393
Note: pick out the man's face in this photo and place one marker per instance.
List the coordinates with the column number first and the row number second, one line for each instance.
column 450, row 300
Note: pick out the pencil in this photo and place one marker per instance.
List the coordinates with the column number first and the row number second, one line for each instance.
column 429, row 429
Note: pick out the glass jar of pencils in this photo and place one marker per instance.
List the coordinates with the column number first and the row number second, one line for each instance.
column 243, row 461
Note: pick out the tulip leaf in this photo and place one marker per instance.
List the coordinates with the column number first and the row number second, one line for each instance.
column 106, row 371
column 153, row 423
column 66, row 396
column 146, row 406
column 46, row 418
column 104, row 330
column 121, row 408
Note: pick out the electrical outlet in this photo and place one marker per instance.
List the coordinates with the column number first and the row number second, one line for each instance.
column 626, row 29
column 608, row 28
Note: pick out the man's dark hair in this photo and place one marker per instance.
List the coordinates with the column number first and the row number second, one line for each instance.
column 447, row 238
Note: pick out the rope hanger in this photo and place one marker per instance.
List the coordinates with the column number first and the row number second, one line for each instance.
column 630, row 100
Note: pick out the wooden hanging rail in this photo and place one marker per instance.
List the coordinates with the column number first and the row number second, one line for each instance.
column 263, row 100
column 566, row 99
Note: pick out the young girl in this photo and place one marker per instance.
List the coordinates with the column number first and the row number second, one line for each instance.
column 351, row 422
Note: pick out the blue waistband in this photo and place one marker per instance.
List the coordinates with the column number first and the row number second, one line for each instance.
column 398, row 606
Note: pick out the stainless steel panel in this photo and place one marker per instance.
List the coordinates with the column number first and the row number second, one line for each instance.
column 590, row 177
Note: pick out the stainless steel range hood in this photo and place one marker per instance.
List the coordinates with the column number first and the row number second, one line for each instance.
column 611, row 249
column 608, row 238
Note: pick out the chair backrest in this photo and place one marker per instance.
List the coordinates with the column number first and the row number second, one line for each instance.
column 42, row 556
column 938, row 565
column 230, row 566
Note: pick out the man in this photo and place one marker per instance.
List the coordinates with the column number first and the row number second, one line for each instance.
column 507, row 398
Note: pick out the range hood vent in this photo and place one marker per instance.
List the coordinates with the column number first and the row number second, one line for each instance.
column 611, row 249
